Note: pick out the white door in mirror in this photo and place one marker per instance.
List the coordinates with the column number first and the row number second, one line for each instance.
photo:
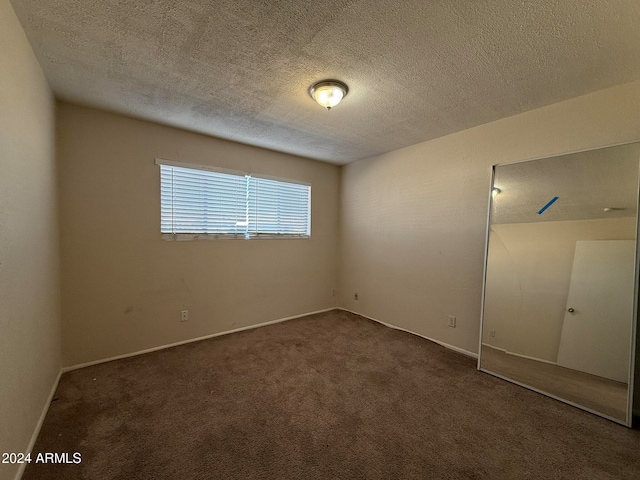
column 596, row 329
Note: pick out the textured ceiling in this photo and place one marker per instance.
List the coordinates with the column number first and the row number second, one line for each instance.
column 585, row 183
column 416, row 69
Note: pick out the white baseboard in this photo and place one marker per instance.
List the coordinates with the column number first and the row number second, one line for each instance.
column 446, row 345
column 494, row 347
column 519, row 354
column 197, row 339
column 36, row 431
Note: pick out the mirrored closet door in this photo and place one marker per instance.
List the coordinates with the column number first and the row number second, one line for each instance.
column 560, row 293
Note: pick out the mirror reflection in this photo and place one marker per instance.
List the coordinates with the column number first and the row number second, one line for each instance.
column 560, row 277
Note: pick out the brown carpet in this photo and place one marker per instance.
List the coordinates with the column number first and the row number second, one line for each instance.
column 331, row 396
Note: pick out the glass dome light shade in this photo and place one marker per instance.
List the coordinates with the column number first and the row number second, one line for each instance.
column 328, row 94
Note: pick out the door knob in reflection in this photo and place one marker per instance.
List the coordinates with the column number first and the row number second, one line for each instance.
column 570, row 310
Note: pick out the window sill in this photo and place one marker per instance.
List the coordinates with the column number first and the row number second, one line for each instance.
column 186, row 237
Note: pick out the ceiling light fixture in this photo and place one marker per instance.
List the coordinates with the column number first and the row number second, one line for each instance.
column 328, row 93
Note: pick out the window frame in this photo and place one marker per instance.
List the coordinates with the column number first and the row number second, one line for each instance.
column 233, row 236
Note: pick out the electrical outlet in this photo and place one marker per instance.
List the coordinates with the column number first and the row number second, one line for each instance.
column 492, row 333
column 452, row 321
column 184, row 315
column 355, row 296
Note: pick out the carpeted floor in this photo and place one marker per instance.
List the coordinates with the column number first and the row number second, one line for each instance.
column 331, row 396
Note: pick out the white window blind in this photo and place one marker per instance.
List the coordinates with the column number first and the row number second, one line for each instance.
column 277, row 208
column 198, row 202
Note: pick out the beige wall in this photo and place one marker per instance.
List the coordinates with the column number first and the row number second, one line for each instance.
column 528, row 277
column 29, row 277
column 413, row 221
column 124, row 287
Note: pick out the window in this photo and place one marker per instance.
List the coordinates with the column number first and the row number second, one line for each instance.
column 207, row 202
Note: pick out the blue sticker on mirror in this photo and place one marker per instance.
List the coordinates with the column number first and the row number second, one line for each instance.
column 551, row 202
